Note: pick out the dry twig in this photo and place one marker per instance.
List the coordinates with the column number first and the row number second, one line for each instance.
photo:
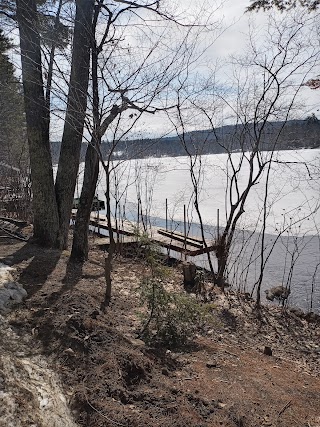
column 286, row 406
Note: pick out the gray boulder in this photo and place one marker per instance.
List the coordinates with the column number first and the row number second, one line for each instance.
column 279, row 293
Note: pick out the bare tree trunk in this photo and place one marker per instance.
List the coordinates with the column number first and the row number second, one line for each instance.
column 79, row 251
column 46, row 221
column 51, row 63
column 75, row 117
column 111, row 249
column 222, row 254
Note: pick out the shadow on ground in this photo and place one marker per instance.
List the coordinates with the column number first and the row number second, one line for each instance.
column 43, row 262
column 72, row 277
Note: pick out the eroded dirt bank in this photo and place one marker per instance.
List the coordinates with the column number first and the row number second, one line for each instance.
column 112, row 378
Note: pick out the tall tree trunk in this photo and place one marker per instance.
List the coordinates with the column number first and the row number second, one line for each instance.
column 46, row 221
column 75, row 117
column 80, row 248
column 79, row 251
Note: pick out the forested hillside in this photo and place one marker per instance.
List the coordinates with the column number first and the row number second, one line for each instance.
column 290, row 135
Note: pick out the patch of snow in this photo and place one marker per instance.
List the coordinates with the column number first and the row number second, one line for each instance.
column 11, row 292
column 30, row 391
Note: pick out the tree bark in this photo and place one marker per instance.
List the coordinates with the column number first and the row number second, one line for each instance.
column 46, row 221
column 80, row 247
column 79, row 251
column 75, row 117
column 112, row 246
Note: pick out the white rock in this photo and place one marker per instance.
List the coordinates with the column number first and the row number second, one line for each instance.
column 43, row 403
column 11, row 293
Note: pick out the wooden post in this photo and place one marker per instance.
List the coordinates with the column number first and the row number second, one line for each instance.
column 218, row 220
column 189, row 274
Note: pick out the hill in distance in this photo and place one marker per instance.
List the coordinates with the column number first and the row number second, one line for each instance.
column 289, row 135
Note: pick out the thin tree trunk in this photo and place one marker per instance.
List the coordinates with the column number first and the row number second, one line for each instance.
column 75, row 117
column 222, row 254
column 112, row 246
column 51, row 63
column 45, row 214
column 79, row 251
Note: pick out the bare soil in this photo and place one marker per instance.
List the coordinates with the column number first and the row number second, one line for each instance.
column 111, row 378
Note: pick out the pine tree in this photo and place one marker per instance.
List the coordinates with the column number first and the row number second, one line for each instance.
column 283, row 5
column 13, row 147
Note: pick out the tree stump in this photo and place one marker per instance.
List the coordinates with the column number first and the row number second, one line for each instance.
column 189, row 274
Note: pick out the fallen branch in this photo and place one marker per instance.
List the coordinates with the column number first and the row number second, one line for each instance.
column 286, row 406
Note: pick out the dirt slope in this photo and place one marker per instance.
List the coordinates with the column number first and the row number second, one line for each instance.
column 113, row 379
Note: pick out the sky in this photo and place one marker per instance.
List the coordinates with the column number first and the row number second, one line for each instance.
column 234, row 25
column 230, row 38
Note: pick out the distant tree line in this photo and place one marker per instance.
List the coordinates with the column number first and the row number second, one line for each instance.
column 295, row 134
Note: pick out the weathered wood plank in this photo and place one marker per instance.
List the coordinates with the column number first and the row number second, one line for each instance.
column 180, row 235
column 175, row 241
column 14, row 221
column 180, row 238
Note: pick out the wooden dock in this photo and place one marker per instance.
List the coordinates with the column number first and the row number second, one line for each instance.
column 128, row 233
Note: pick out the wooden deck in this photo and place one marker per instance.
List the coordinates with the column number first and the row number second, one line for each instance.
column 172, row 240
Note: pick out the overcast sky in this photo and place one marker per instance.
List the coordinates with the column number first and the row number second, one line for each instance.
column 233, row 29
column 233, row 41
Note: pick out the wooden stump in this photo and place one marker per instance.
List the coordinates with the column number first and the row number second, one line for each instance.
column 189, row 274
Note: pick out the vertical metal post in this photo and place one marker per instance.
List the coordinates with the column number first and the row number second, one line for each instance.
column 98, row 214
column 77, row 182
column 218, row 226
column 166, row 214
column 123, row 219
column 185, row 229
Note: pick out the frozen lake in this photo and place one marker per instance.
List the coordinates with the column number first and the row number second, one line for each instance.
column 292, row 242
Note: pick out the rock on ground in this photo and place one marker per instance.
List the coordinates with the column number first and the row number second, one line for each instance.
column 11, row 293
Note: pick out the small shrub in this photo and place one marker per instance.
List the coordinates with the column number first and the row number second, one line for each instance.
column 173, row 319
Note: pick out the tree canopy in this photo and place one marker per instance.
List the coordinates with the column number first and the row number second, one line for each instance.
column 283, row 5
